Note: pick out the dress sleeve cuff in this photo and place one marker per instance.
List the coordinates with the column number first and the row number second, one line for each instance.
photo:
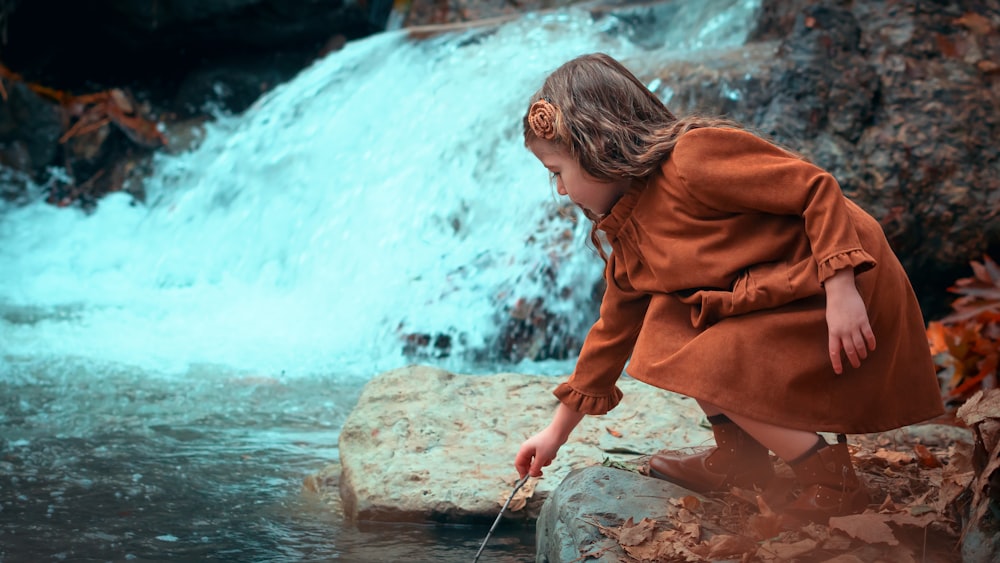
column 587, row 404
column 858, row 259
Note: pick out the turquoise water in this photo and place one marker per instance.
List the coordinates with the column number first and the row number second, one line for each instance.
column 209, row 469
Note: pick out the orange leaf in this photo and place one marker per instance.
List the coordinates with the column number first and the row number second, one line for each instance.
column 936, row 337
column 926, row 458
column 977, row 23
column 979, row 294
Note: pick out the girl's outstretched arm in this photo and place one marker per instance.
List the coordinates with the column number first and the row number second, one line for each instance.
column 847, row 320
column 539, row 450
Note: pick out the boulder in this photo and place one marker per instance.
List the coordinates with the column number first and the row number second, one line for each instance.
column 424, row 444
column 568, row 524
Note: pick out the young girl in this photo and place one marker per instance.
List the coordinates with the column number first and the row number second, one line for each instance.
column 739, row 275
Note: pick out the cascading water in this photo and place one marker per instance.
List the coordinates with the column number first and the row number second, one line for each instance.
column 199, row 352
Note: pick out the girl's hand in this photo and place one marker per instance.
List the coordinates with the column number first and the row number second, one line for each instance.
column 537, row 452
column 847, row 320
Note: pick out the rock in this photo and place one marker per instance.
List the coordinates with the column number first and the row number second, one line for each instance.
column 566, row 526
column 894, row 100
column 425, row 444
column 30, row 127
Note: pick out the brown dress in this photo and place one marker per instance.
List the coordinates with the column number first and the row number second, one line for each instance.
column 715, row 292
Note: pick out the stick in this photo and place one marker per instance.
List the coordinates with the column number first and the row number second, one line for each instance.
column 517, row 487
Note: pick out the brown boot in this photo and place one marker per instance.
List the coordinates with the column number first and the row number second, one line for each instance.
column 737, row 460
column 831, row 487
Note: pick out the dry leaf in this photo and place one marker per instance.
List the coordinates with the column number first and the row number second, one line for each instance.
column 691, row 503
column 894, row 457
column 977, row 23
column 520, row 498
column 867, row 527
column 926, row 458
column 988, row 67
column 635, row 533
column 725, row 546
column 917, row 520
column 613, row 432
column 981, row 406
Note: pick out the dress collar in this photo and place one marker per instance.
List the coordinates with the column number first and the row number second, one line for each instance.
column 622, row 209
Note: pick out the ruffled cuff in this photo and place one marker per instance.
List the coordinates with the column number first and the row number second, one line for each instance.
column 587, row 404
column 858, row 259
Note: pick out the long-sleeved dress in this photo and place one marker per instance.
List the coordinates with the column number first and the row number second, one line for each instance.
column 715, row 291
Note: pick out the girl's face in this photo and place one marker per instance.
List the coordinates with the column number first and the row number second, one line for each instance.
column 587, row 192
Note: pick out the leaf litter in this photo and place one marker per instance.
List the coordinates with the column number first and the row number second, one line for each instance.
column 924, row 498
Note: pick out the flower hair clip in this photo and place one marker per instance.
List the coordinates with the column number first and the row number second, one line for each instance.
column 542, row 119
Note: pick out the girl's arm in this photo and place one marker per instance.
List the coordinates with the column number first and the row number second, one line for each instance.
column 539, row 450
column 847, row 320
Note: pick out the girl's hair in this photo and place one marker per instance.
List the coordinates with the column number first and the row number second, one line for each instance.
column 610, row 122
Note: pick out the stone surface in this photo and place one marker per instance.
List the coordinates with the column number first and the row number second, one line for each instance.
column 603, row 495
column 427, row 445
column 424, row 444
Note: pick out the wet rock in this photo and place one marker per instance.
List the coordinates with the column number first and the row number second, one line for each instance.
column 566, row 526
column 425, row 444
column 30, row 127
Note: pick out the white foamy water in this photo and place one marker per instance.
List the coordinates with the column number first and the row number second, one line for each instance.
column 383, row 191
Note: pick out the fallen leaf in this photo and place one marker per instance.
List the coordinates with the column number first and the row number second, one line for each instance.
column 988, row 67
column 691, row 503
column 982, row 405
column 520, row 498
column 867, row 527
column 926, row 458
column 613, row 432
column 977, row 23
column 898, row 458
column 634, row 533
column 724, row 546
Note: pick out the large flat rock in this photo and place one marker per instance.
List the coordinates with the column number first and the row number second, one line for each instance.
column 424, row 444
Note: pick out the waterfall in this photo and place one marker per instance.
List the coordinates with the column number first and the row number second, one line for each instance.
column 383, row 192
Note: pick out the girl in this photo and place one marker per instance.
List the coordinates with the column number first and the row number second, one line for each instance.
column 740, row 276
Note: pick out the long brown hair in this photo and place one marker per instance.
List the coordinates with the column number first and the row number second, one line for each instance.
column 610, row 122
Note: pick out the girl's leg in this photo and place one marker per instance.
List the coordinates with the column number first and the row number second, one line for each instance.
column 736, row 460
column 786, row 443
column 831, row 486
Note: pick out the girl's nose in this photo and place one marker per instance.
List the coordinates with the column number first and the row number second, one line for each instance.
column 560, row 189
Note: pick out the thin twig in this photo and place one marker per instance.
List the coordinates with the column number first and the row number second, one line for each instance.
column 517, row 487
